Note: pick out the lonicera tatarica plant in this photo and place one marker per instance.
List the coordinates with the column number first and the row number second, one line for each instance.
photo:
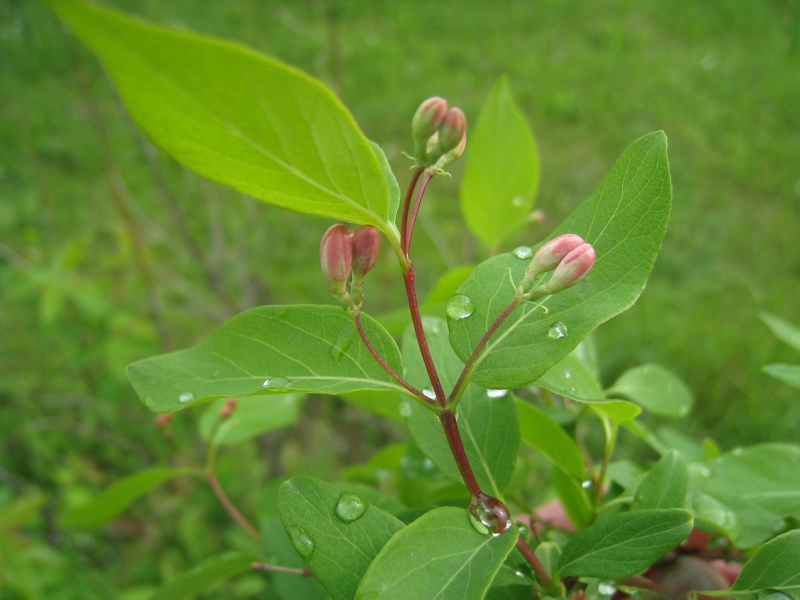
column 494, row 368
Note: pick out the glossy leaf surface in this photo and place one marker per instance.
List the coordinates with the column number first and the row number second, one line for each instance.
column 625, row 220
column 270, row 349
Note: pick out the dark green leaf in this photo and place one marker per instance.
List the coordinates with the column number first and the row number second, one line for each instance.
column 301, row 348
column 655, row 389
column 665, row 485
column 625, row 220
column 487, row 420
column 502, row 171
column 540, row 431
column 336, row 532
column 573, row 498
column 238, row 117
column 113, row 501
column 203, row 575
column 774, row 566
column 624, row 544
column 440, row 555
column 252, row 417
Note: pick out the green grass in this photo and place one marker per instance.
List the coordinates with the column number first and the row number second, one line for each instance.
column 722, row 79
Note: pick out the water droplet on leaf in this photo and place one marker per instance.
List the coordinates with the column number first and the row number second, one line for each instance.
column 301, row 541
column 429, row 393
column 557, row 331
column 586, row 484
column 349, row 508
column 567, row 374
column 496, row 393
column 522, row 252
column 459, row 307
column 186, row 397
column 273, row 383
column 489, row 514
column 772, row 595
column 570, row 389
column 404, row 409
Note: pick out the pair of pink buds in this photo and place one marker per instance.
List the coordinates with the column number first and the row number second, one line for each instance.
column 568, row 256
column 342, row 253
column 440, row 132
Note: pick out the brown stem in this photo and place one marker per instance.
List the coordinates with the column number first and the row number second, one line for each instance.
column 259, row 566
column 534, row 562
column 230, row 507
column 385, row 365
column 448, row 420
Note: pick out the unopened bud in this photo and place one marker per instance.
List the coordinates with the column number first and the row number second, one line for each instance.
column 453, row 132
column 230, row 406
column 336, row 258
column 575, row 266
column 552, row 253
column 428, row 118
column 366, row 245
column 164, row 419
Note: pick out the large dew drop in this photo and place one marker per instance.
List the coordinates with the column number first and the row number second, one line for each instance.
column 274, row 383
column 557, row 331
column 186, row 397
column 301, row 541
column 522, row 252
column 459, row 307
column 488, row 514
column 349, row 508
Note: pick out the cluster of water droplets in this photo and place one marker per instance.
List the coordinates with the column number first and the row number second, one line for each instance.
column 348, row 509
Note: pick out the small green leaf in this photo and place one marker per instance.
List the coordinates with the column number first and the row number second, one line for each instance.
column 625, row 220
column 336, row 532
column 502, row 171
column 617, row 411
column 203, row 575
column 573, row 497
column 788, row 374
column 252, row 417
column 440, row 555
column 238, row 117
column 573, row 379
column 654, row 388
column 774, row 566
column 539, row 430
column 783, row 330
column 270, row 349
column 487, row 420
column 117, row 497
column 624, row 544
column 665, row 485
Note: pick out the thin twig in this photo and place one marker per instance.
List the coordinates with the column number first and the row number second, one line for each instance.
column 534, row 562
column 230, row 507
column 259, row 566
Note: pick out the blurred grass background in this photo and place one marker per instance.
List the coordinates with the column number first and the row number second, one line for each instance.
column 110, row 252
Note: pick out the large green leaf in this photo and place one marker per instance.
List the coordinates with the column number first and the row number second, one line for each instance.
column 301, row 348
column 502, row 170
column 337, row 533
column 539, row 430
column 238, row 117
column 625, row 220
column 624, row 544
column 487, row 419
column 665, row 485
column 117, row 497
column 203, row 575
column 655, row 389
column 439, row 556
column 774, row 566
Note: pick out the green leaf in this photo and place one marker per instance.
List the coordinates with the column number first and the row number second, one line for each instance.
column 665, row 485
column 281, row 552
column 572, row 378
column 539, row 430
column 624, row 544
column 788, row 374
column 238, row 117
column 487, row 420
column 301, row 348
column 654, row 388
column 625, row 220
column 117, row 497
column 336, row 532
column 203, row 575
column 440, row 555
column 573, row 497
column 502, row 171
column 774, row 566
column 385, row 404
column 616, row 411
column 252, row 417
column 783, row 330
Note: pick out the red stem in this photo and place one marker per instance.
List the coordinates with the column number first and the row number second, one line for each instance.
column 406, row 206
column 410, row 232
column 448, row 420
column 230, row 507
column 533, row 561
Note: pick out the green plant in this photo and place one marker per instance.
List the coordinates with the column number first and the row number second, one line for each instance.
column 466, row 383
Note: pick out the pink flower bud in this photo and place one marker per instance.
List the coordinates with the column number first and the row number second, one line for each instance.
column 575, row 266
column 453, row 132
column 230, row 406
column 428, row 118
column 336, row 258
column 553, row 252
column 366, row 245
